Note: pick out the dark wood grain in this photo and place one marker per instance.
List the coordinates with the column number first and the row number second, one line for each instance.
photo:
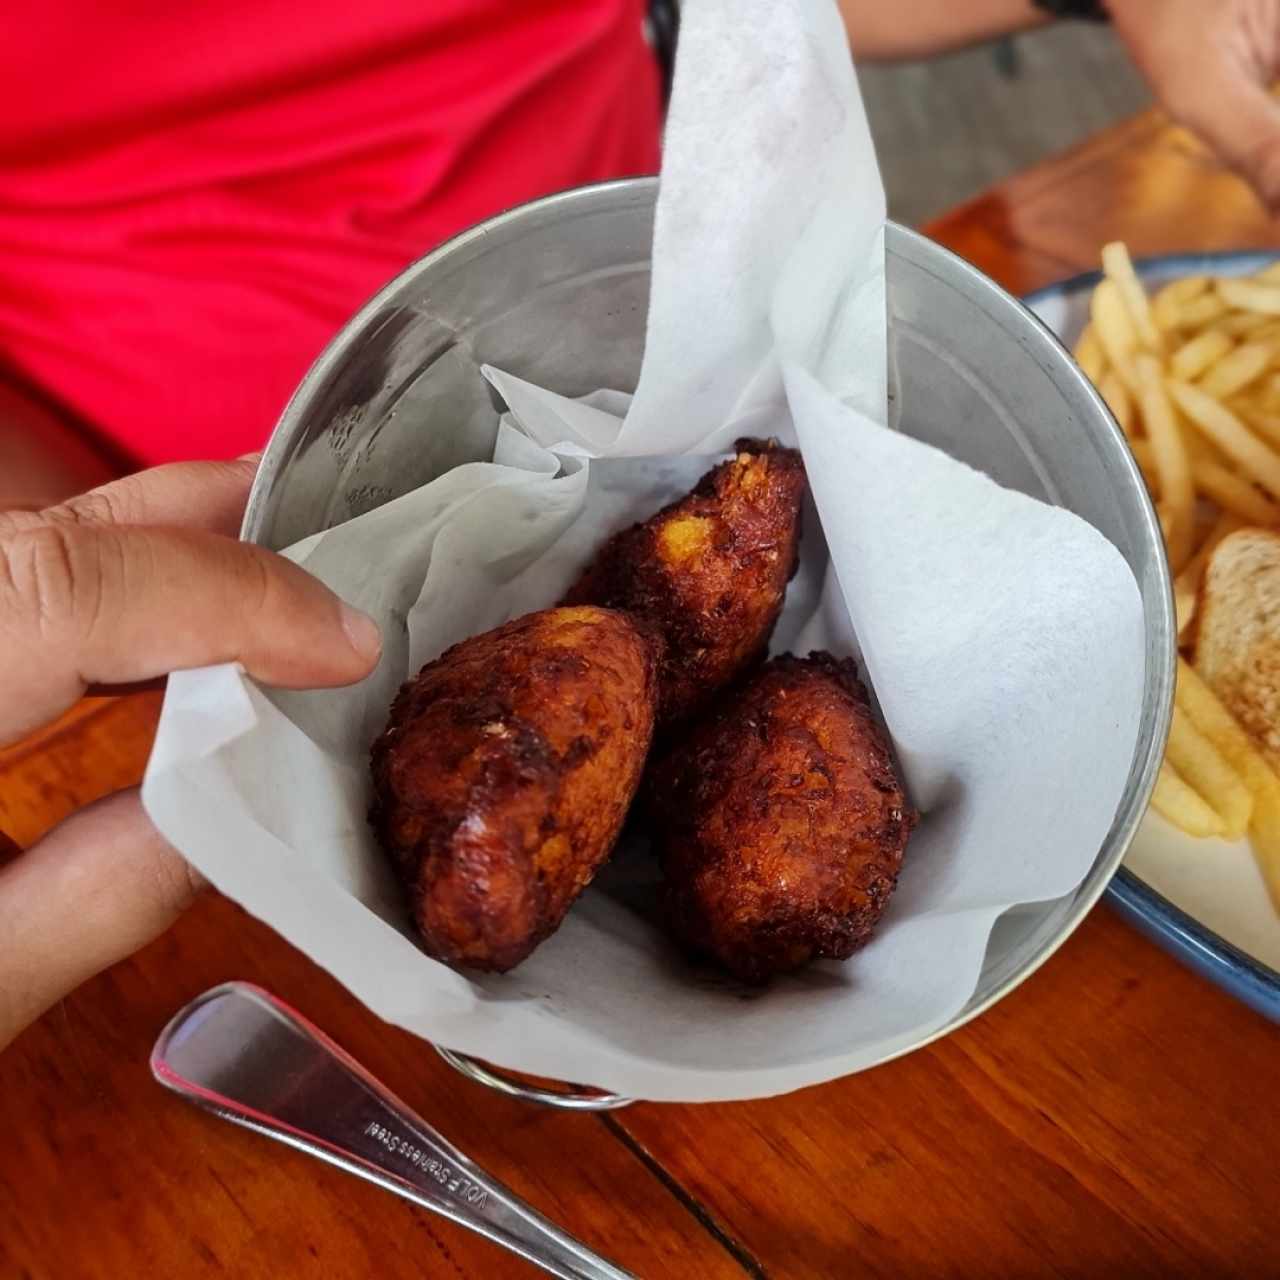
column 1111, row 1117
column 98, row 747
column 1114, row 1116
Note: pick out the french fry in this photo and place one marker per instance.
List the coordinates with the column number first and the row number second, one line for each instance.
column 1167, row 305
column 1264, row 832
column 1206, row 712
column 1229, row 434
column 1169, row 454
column 1090, row 356
column 1239, row 324
column 1118, row 267
column 1201, row 311
column 1233, row 493
column 1269, row 275
column 1185, row 601
column 1267, row 425
column 1180, row 804
column 1236, row 370
column 1264, row 395
column 1206, row 522
column 1115, row 332
column 1145, row 459
column 1186, row 586
column 1223, row 527
column 1203, row 767
column 1193, row 357
column 1116, row 394
column 1199, row 447
column 1250, row 295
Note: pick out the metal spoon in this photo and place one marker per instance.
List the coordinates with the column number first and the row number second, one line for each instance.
column 244, row 1055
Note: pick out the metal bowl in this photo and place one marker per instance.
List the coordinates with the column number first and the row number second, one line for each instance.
column 556, row 292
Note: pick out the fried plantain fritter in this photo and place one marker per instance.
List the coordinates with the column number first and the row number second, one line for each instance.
column 504, row 775
column 709, row 572
column 780, row 821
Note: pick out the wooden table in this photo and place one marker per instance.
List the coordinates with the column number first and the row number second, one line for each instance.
column 1114, row 1116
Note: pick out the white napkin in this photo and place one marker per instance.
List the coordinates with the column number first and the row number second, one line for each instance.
column 1003, row 637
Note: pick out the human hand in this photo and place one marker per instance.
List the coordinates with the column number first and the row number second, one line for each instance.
column 1212, row 64
column 129, row 582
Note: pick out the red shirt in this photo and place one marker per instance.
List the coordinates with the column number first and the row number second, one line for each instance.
column 195, row 197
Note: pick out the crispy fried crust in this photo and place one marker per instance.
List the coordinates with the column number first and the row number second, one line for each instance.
column 709, row 572
column 505, row 773
column 780, row 822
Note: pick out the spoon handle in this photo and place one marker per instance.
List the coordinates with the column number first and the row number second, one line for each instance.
column 246, row 1056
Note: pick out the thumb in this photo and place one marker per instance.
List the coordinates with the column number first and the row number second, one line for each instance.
column 84, row 604
column 95, row 889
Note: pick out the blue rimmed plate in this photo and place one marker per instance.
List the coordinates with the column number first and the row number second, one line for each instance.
column 1203, row 900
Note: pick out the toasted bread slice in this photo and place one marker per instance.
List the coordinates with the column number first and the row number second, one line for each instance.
column 1238, row 636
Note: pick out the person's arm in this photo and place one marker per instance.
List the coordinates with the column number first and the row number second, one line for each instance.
column 882, row 30
column 1211, row 63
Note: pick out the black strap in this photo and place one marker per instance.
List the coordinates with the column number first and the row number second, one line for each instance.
column 1089, row 10
column 664, row 25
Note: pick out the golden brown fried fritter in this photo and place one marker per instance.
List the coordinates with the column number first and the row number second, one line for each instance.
column 505, row 773
column 780, row 822
column 709, row 572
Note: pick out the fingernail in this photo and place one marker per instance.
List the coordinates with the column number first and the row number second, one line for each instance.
column 363, row 633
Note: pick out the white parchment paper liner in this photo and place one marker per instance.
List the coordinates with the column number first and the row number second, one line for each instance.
column 1003, row 637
